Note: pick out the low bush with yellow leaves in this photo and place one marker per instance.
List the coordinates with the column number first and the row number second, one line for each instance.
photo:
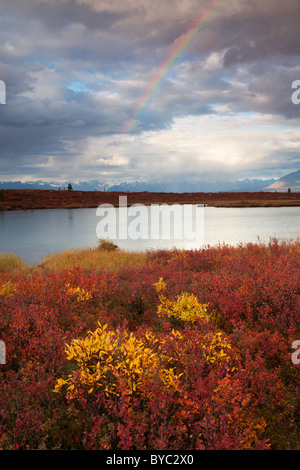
column 186, row 308
column 295, row 246
column 7, row 289
column 137, row 383
column 78, row 294
column 117, row 361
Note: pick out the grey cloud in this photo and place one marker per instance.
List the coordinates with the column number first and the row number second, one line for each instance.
column 56, row 15
column 247, row 53
column 17, row 80
column 259, row 30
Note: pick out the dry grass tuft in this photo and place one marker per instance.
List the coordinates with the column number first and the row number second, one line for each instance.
column 12, row 264
column 93, row 258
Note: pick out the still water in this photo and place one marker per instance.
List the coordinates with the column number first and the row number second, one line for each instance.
column 34, row 234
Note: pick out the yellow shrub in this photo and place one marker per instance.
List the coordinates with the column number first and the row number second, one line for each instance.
column 295, row 246
column 7, row 289
column 78, row 293
column 218, row 350
column 160, row 285
column 117, row 361
column 186, row 308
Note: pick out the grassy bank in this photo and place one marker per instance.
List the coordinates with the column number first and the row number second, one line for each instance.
column 93, row 258
column 87, row 258
column 10, row 263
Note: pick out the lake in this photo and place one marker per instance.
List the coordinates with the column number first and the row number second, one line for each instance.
column 33, row 234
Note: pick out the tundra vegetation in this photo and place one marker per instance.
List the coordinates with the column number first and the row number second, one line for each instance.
column 166, row 349
column 27, row 199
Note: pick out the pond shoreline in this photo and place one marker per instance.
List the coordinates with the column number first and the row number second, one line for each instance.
column 29, row 199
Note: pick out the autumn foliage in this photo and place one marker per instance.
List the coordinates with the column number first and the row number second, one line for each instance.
column 191, row 350
column 27, row 199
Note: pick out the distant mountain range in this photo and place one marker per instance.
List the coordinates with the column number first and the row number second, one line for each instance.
column 175, row 185
column 178, row 186
column 81, row 186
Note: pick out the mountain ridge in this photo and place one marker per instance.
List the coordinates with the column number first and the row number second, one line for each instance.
column 175, row 185
column 290, row 181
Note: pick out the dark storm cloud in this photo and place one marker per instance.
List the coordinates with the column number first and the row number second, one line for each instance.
column 11, row 76
column 41, row 127
column 262, row 30
column 56, row 15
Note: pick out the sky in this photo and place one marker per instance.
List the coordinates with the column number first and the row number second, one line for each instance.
column 124, row 90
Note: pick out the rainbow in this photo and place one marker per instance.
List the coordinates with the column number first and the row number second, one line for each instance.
column 179, row 46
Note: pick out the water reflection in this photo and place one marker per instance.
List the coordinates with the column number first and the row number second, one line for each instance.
column 33, row 234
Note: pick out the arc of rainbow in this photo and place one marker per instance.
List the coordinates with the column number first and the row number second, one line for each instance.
column 180, row 45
